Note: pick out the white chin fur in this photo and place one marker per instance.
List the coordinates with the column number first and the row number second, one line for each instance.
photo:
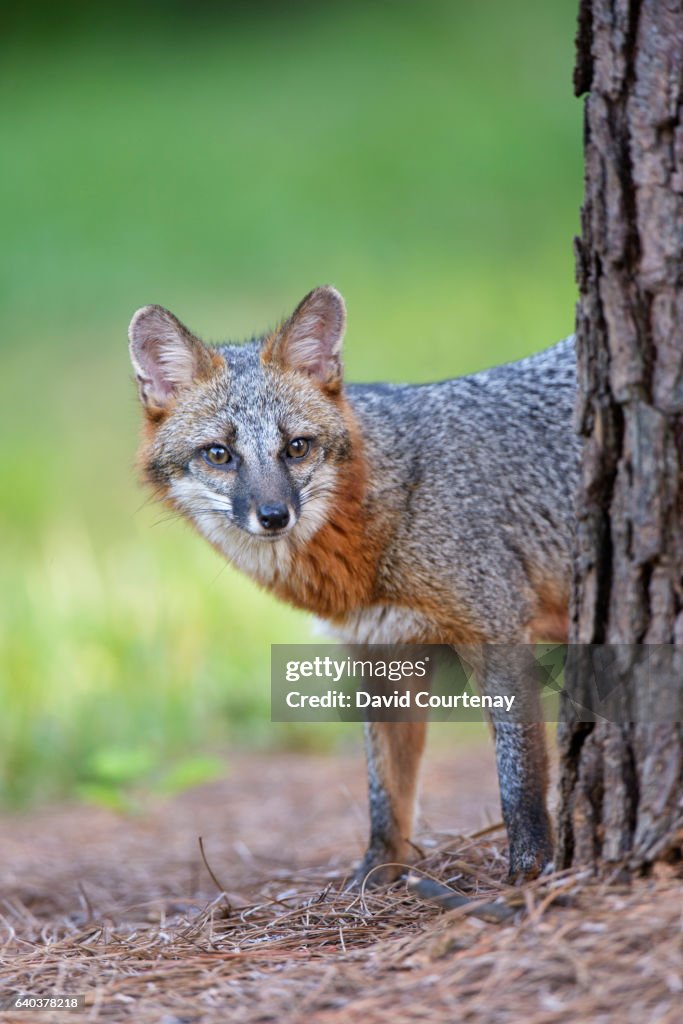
column 256, row 553
column 260, row 556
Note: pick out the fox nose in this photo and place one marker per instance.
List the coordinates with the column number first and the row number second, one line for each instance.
column 273, row 517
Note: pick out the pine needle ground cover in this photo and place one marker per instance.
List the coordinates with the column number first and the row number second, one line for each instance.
column 132, row 913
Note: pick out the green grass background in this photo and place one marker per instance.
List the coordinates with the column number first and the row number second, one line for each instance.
column 423, row 157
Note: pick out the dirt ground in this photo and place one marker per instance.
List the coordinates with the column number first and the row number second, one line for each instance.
column 124, row 911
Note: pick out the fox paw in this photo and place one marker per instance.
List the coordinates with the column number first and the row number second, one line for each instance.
column 528, row 863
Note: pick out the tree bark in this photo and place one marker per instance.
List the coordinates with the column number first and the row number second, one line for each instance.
column 621, row 783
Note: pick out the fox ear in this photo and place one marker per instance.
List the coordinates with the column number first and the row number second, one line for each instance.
column 310, row 340
column 166, row 356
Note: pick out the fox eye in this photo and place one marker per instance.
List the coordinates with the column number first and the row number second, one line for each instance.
column 217, row 455
column 298, row 448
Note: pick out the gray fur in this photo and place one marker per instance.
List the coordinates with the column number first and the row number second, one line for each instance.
column 468, row 497
column 481, row 471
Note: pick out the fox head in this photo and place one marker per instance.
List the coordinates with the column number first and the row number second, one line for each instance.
column 247, row 441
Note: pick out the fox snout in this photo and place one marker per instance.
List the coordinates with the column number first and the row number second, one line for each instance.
column 264, row 511
column 273, row 516
column 270, row 519
column 264, row 502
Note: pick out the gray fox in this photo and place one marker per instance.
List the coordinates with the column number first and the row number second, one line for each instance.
column 435, row 513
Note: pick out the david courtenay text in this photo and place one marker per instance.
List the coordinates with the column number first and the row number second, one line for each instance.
column 397, row 699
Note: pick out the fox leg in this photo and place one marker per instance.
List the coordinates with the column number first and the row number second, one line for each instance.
column 523, row 777
column 522, row 760
column 394, row 751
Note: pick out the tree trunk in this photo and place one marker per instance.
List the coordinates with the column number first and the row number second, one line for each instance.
column 621, row 782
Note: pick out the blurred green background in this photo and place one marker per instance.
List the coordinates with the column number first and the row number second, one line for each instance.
column 423, row 157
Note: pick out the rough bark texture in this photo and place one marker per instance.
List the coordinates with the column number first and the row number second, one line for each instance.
column 622, row 784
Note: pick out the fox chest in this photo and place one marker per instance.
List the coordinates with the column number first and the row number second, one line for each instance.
column 384, row 624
